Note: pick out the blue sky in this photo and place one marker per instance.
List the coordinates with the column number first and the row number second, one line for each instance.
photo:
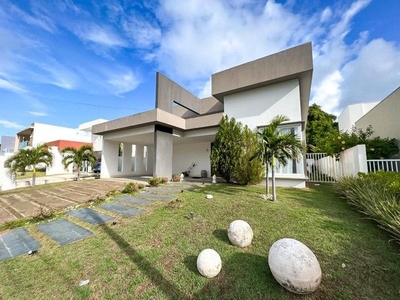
column 68, row 62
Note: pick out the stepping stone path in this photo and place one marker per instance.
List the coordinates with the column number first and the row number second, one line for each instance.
column 121, row 209
column 63, row 231
column 18, row 241
column 90, row 216
column 156, row 196
column 134, row 200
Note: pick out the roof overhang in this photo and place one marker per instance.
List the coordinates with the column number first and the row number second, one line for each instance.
column 26, row 132
column 293, row 63
column 157, row 117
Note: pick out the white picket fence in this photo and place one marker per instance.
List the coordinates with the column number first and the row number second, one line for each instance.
column 323, row 168
column 375, row 165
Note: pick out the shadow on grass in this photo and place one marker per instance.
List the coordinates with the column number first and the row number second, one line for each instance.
column 243, row 276
column 191, row 264
column 144, row 265
column 169, row 289
column 222, row 235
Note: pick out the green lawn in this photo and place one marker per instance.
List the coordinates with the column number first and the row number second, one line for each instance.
column 29, row 174
column 153, row 256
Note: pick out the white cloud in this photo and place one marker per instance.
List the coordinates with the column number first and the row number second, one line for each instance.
column 100, row 35
column 328, row 92
column 8, row 124
column 373, row 74
column 38, row 114
column 123, row 82
column 143, row 33
column 10, row 86
column 200, row 38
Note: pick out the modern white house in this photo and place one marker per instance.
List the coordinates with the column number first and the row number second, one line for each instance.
column 180, row 131
column 353, row 112
column 58, row 138
column 384, row 117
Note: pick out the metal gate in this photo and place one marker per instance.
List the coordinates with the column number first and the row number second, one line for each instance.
column 323, row 168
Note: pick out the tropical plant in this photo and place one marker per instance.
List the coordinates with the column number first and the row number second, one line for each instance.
column 277, row 145
column 232, row 149
column 29, row 157
column 77, row 157
column 377, row 196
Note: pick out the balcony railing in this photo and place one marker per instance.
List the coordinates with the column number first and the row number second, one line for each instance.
column 22, row 145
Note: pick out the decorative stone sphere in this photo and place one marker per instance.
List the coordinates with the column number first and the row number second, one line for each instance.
column 240, row 233
column 294, row 266
column 209, row 263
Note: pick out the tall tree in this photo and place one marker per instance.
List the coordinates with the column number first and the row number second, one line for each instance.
column 233, row 146
column 277, row 145
column 30, row 157
column 75, row 156
column 320, row 126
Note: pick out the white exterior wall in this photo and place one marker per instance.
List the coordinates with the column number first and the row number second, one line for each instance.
column 44, row 133
column 6, row 182
column 109, row 159
column 259, row 106
column 185, row 154
column 352, row 113
column 352, row 161
column 384, row 118
column 57, row 167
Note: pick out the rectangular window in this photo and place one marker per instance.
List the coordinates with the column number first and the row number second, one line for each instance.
column 293, row 166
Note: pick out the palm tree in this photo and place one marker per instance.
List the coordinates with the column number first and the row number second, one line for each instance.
column 75, row 156
column 275, row 145
column 29, row 157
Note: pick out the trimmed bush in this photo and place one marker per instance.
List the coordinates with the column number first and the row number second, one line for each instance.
column 377, row 196
column 155, row 181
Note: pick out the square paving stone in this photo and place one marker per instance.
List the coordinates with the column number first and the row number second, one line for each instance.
column 121, row 209
column 134, row 200
column 90, row 216
column 17, row 242
column 157, row 196
column 63, row 231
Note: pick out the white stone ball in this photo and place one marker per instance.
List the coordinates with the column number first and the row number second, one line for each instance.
column 209, row 263
column 294, row 266
column 240, row 233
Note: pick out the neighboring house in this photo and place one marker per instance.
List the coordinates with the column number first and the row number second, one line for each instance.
column 59, row 138
column 7, row 144
column 180, row 131
column 352, row 113
column 384, row 117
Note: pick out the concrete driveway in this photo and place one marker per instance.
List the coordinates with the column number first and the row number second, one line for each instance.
column 21, row 203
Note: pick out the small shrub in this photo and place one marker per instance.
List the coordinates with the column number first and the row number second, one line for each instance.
column 155, row 181
column 99, row 196
column 130, row 187
column 42, row 213
column 111, row 193
column 176, row 177
column 140, row 186
column 174, row 204
column 164, row 180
